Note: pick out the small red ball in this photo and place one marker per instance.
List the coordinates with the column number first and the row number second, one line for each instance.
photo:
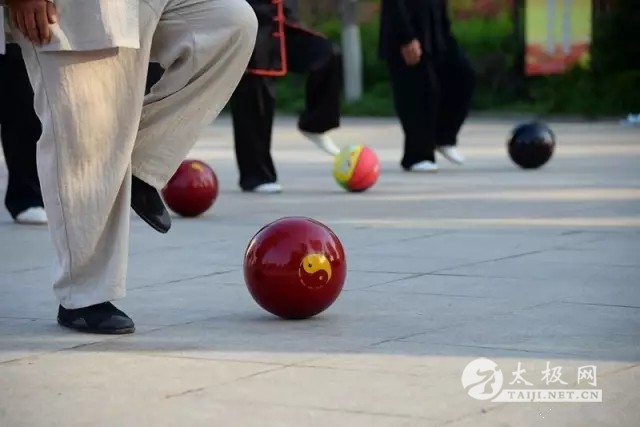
column 295, row 267
column 192, row 189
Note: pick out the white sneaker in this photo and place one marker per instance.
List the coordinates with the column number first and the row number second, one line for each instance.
column 268, row 188
column 323, row 141
column 424, row 166
column 32, row 216
column 451, row 153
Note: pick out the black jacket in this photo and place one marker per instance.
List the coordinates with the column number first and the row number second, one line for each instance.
column 404, row 20
column 268, row 57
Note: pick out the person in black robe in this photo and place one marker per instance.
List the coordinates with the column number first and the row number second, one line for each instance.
column 431, row 78
column 20, row 131
column 283, row 46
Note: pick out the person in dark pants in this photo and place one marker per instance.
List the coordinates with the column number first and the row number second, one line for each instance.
column 431, row 78
column 20, row 130
column 283, row 46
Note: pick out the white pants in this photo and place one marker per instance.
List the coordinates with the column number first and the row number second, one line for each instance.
column 99, row 128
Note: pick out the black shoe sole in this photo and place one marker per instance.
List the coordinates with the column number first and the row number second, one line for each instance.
column 152, row 224
column 120, row 331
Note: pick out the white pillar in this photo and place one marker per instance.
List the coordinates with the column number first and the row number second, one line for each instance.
column 351, row 51
column 551, row 26
column 566, row 26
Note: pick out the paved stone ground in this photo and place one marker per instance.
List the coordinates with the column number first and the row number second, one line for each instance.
column 481, row 261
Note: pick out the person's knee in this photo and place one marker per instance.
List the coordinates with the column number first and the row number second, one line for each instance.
column 328, row 54
column 332, row 51
column 231, row 29
column 243, row 19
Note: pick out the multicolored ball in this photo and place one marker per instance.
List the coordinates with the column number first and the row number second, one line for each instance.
column 356, row 168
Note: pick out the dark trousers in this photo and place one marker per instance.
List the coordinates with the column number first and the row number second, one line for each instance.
column 20, row 131
column 253, row 104
column 432, row 101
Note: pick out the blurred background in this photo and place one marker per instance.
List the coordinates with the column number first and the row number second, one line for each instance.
column 576, row 57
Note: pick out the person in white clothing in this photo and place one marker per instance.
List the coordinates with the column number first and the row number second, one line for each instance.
column 105, row 145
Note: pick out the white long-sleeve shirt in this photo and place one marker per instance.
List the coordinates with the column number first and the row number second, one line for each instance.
column 85, row 25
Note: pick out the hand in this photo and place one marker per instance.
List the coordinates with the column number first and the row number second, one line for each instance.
column 32, row 18
column 412, row 52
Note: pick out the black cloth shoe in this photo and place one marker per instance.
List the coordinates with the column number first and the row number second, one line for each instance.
column 102, row 318
column 147, row 203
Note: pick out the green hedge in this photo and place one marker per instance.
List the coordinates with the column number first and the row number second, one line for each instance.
column 611, row 86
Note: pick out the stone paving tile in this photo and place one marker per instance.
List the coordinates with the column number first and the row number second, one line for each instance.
column 340, row 390
column 207, row 412
column 589, row 331
column 481, row 261
column 22, row 248
column 619, row 293
column 421, row 358
column 565, row 271
column 24, row 338
column 87, row 387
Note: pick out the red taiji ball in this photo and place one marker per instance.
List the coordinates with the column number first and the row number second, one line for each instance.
column 192, row 189
column 295, row 267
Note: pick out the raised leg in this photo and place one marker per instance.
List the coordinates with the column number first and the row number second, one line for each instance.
column 95, row 130
column 204, row 48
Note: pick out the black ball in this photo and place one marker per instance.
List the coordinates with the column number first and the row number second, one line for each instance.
column 531, row 145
